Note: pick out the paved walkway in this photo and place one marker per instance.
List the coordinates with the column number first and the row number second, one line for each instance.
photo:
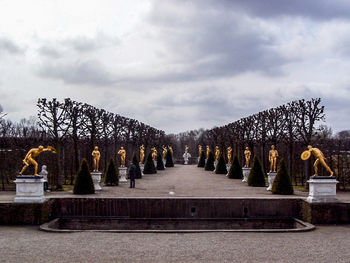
column 181, row 181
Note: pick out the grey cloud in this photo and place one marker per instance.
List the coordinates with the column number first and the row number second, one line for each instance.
column 81, row 72
column 9, row 46
column 86, row 44
column 50, row 52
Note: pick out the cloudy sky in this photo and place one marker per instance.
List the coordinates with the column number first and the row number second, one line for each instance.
column 176, row 65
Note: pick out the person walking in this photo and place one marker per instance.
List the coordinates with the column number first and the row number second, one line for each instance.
column 132, row 174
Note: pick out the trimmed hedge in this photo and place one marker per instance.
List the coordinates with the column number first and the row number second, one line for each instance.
column 282, row 184
column 112, row 174
column 256, row 176
column 235, row 171
column 169, row 159
column 201, row 162
column 83, row 184
column 209, row 165
column 221, row 166
column 149, row 167
column 160, row 164
column 138, row 169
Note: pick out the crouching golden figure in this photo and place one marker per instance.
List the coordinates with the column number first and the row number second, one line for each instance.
column 33, row 153
column 319, row 159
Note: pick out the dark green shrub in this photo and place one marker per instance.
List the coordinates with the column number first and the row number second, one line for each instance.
column 209, row 165
column 221, row 166
column 149, row 167
column 112, row 174
column 160, row 164
column 201, row 162
column 256, row 177
column 235, row 171
column 138, row 169
column 83, row 184
column 169, row 159
column 282, row 184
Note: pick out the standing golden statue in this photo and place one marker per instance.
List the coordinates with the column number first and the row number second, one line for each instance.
column 217, row 153
column 171, row 150
column 186, row 148
column 247, row 154
column 122, row 154
column 33, row 153
column 200, row 149
column 96, row 158
column 164, row 152
column 154, row 154
column 142, row 153
column 229, row 155
column 273, row 154
column 208, row 151
column 319, row 159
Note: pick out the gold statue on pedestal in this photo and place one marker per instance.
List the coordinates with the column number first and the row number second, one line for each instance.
column 217, row 153
column 33, row 153
column 186, row 148
column 171, row 150
column 319, row 159
column 247, row 154
column 273, row 154
column 142, row 153
column 200, row 149
column 96, row 158
column 154, row 154
column 122, row 154
column 164, row 152
column 208, row 151
column 229, row 155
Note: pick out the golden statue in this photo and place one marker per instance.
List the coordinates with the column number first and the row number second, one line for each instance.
column 217, row 153
column 247, row 154
column 142, row 153
column 33, row 153
column 154, row 154
column 229, row 155
column 319, row 158
column 273, row 154
column 164, row 152
column 186, row 148
column 200, row 149
column 96, row 157
column 171, row 150
column 208, row 151
column 122, row 153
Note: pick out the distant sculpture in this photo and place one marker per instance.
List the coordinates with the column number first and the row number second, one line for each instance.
column 200, row 149
column 273, row 154
column 186, row 148
column 208, row 151
column 247, row 154
column 33, row 153
column 164, row 151
column 142, row 153
column 96, row 158
column 154, row 154
column 217, row 153
column 319, row 159
column 122, row 154
column 171, row 150
column 229, row 155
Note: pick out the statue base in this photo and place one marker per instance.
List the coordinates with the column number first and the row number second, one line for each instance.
column 29, row 189
column 141, row 168
column 122, row 174
column 155, row 164
column 228, row 167
column 215, row 164
column 246, row 172
column 271, row 178
column 96, row 178
column 322, row 189
column 185, row 161
column 164, row 161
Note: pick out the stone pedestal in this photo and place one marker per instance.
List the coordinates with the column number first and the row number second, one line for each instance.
column 322, row 189
column 271, row 178
column 155, row 163
column 29, row 189
column 246, row 171
column 228, row 166
column 164, row 161
column 96, row 178
column 122, row 174
column 141, row 166
column 215, row 164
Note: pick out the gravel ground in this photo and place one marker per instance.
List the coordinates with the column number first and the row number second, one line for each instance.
column 28, row 244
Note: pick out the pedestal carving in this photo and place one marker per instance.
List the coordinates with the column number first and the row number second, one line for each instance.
column 246, row 172
column 96, row 178
column 271, row 178
column 29, row 189
column 122, row 174
column 322, row 189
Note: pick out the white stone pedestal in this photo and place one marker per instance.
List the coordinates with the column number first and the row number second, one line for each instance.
column 29, row 189
column 141, row 166
column 164, row 163
column 322, row 189
column 246, row 171
column 228, row 166
column 215, row 164
column 155, row 163
column 270, row 178
column 96, row 178
column 122, row 174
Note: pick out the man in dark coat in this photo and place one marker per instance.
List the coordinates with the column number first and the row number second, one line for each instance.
column 132, row 174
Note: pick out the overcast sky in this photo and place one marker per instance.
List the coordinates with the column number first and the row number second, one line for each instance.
column 176, row 65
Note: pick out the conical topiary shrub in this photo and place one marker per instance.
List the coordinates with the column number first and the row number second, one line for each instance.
column 149, row 165
column 138, row 169
column 160, row 164
column 282, row 184
column 235, row 171
column 256, row 177
column 112, row 174
column 209, row 165
column 83, row 184
column 201, row 162
column 221, row 166
column 169, row 159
